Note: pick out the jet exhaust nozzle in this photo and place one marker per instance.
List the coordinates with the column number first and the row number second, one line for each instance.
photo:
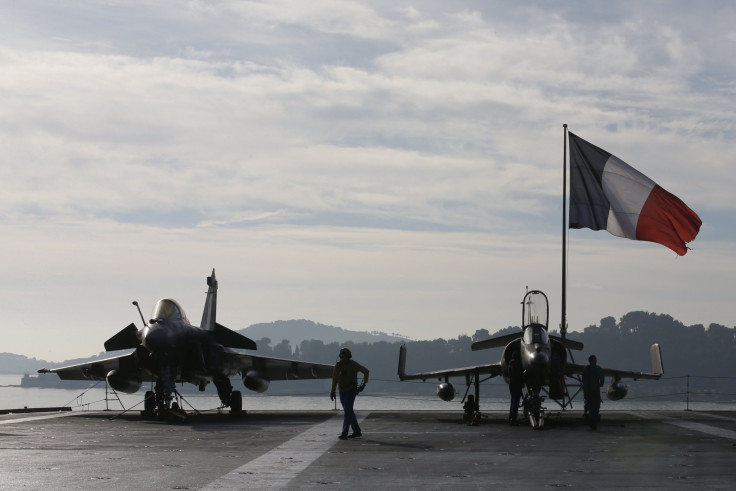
column 446, row 391
column 123, row 382
column 256, row 382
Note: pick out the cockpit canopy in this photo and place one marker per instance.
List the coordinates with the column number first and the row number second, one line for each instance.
column 536, row 334
column 168, row 309
column 535, row 309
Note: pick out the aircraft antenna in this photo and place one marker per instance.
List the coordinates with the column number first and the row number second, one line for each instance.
column 135, row 302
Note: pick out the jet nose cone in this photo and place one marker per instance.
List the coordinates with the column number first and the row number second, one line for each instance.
column 154, row 338
column 539, row 358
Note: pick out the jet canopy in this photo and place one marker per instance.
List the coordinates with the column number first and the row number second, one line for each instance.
column 535, row 309
column 536, row 334
column 168, row 309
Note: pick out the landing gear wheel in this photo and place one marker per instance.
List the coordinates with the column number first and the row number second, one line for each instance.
column 236, row 403
column 149, row 403
column 535, row 412
column 540, row 420
column 173, row 414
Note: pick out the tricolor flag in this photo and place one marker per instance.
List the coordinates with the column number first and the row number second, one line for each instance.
column 608, row 194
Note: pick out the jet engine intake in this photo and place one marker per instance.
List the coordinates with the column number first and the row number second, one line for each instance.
column 125, row 382
column 617, row 390
column 255, row 381
column 446, row 391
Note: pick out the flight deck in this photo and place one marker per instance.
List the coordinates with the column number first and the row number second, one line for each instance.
column 399, row 450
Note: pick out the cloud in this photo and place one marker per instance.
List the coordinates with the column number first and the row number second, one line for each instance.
column 376, row 165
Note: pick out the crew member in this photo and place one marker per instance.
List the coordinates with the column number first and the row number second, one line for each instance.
column 345, row 377
column 471, row 416
column 592, row 382
column 516, row 384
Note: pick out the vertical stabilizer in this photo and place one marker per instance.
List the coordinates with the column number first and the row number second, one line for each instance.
column 402, row 362
column 656, row 355
column 210, row 305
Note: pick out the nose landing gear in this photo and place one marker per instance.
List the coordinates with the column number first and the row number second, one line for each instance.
column 534, row 411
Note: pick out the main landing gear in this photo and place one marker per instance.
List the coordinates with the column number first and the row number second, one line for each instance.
column 534, row 411
column 166, row 403
column 228, row 397
column 173, row 412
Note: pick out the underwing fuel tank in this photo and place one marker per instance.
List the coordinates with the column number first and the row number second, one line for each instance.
column 127, row 383
column 617, row 390
column 256, row 382
column 446, row 391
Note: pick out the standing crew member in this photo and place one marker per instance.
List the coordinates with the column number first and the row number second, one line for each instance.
column 345, row 376
column 516, row 384
column 592, row 382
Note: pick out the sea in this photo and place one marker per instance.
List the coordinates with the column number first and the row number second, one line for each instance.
column 99, row 398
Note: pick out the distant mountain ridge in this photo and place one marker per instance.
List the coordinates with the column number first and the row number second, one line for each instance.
column 295, row 331
column 298, row 330
column 686, row 350
column 12, row 363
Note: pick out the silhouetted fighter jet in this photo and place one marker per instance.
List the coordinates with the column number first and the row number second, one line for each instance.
column 169, row 349
column 544, row 360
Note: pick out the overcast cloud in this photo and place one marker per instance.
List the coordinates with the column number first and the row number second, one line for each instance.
column 371, row 165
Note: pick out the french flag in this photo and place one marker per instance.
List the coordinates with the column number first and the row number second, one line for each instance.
column 608, row 194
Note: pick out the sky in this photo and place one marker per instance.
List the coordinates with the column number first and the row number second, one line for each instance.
column 385, row 165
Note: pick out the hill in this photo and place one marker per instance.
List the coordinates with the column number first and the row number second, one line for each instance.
column 296, row 331
column 293, row 331
column 12, row 363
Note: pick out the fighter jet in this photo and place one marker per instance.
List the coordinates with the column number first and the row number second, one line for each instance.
column 544, row 360
column 169, row 349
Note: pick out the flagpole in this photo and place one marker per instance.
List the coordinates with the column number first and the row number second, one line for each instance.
column 563, row 323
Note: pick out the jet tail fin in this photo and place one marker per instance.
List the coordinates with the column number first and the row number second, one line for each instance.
column 656, row 355
column 210, row 306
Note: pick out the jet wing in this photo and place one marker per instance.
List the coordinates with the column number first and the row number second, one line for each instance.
column 568, row 343
column 98, row 369
column 493, row 369
column 657, row 368
column 271, row 368
column 495, row 342
column 277, row 368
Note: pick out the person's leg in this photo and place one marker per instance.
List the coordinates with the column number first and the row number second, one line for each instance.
column 347, row 409
column 514, row 409
column 594, row 406
column 348, row 401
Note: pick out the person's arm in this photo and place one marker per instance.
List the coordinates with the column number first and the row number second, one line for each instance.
column 334, row 383
column 365, row 372
column 334, row 378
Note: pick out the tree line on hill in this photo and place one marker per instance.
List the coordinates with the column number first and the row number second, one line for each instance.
column 686, row 350
column 701, row 352
column 698, row 351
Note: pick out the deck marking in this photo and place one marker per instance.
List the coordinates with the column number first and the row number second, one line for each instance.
column 35, row 418
column 703, row 428
column 689, row 425
column 276, row 468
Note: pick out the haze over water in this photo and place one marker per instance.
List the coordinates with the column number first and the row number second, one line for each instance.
column 14, row 397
